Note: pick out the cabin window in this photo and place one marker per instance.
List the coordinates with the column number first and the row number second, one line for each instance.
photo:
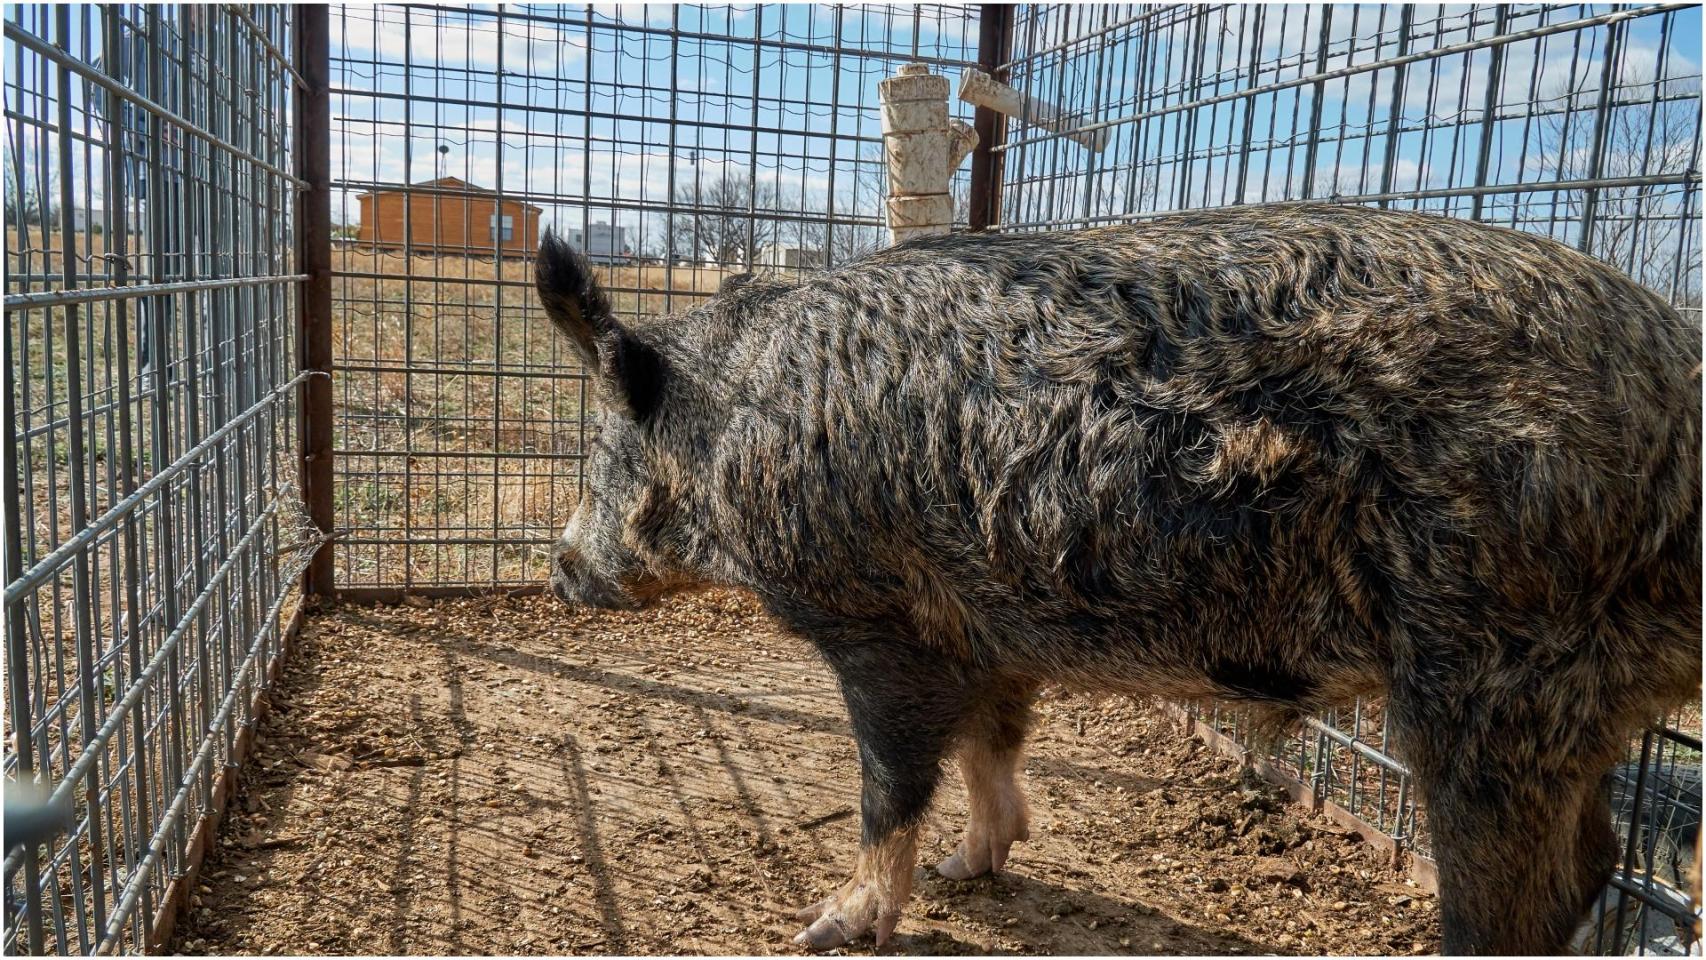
column 508, row 227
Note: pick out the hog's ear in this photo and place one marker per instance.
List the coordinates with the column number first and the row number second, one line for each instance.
column 636, row 372
column 734, row 281
column 571, row 296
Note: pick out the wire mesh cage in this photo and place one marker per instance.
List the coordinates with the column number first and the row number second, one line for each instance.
column 170, row 402
column 676, row 146
column 152, row 514
column 1578, row 122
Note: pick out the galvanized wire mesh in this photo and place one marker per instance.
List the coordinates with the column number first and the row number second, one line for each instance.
column 151, row 433
column 1575, row 121
column 676, row 144
column 153, row 327
column 1579, row 122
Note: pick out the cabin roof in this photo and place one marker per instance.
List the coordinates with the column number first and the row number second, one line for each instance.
column 450, row 183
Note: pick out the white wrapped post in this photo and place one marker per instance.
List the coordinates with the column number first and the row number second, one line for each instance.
column 922, row 148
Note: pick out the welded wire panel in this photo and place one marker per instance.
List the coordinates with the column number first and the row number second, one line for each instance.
column 1656, row 806
column 151, row 435
column 675, row 145
column 1578, row 122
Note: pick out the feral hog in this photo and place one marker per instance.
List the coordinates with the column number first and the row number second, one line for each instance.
column 1284, row 455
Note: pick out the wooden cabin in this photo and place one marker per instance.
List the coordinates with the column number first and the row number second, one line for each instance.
column 448, row 215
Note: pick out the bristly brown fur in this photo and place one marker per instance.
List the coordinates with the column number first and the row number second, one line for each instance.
column 1284, row 454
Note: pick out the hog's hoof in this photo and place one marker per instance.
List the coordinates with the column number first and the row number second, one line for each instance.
column 870, row 903
column 855, row 911
column 984, row 848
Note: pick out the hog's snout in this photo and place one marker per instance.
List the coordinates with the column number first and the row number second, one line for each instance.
column 576, row 585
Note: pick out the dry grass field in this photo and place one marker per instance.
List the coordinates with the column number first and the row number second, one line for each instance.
column 461, row 415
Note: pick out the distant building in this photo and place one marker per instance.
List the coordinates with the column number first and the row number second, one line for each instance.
column 452, row 216
column 601, row 242
column 95, row 219
column 782, row 257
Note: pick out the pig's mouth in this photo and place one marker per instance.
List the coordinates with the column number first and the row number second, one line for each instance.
column 637, row 593
column 578, row 592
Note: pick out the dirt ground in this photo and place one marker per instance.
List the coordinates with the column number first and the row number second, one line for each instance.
column 510, row 776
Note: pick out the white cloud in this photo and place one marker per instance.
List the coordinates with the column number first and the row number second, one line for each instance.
column 452, row 38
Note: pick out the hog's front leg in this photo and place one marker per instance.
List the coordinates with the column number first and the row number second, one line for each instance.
column 906, row 703
column 991, row 752
column 871, row 902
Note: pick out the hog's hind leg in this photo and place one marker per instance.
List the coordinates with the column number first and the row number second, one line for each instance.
column 991, row 751
column 1521, row 832
column 906, row 703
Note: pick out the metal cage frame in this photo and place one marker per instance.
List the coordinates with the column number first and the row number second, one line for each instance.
column 151, row 412
column 226, row 396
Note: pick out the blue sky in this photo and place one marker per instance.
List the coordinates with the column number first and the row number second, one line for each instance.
column 1558, row 71
column 604, row 109
column 792, row 88
column 718, row 94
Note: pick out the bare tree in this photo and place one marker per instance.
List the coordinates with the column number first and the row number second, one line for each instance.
column 866, row 199
column 24, row 205
column 1643, row 229
column 727, row 232
column 825, row 234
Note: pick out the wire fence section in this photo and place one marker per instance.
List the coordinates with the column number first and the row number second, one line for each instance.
column 155, row 292
column 150, row 420
column 1579, row 122
column 675, row 145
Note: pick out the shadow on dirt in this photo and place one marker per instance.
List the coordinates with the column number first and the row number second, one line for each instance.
column 478, row 777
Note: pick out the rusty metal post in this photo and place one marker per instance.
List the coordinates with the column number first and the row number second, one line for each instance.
column 314, row 238
column 994, row 46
